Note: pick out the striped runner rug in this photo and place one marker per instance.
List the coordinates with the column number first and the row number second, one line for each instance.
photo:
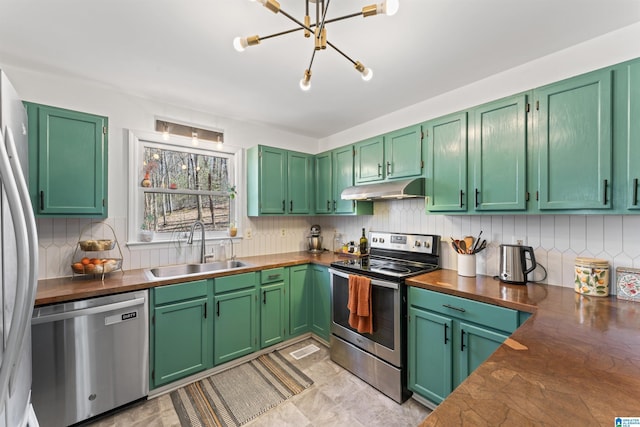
column 238, row 395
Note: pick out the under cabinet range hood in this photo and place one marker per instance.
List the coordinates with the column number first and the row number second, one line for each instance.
column 400, row 189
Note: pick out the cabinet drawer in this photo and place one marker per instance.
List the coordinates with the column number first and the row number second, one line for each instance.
column 272, row 275
column 180, row 292
column 493, row 316
column 235, row 282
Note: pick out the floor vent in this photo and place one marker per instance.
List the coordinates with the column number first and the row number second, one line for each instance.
column 304, row 351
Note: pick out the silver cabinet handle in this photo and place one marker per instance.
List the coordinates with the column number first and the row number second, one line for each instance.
column 461, row 310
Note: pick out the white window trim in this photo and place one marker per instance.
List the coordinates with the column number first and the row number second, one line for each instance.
column 134, row 207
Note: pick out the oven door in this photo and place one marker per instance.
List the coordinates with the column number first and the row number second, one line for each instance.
column 385, row 341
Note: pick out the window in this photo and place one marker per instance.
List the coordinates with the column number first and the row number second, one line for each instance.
column 175, row 183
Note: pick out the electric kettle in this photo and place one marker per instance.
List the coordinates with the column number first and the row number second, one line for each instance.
column 513, row 263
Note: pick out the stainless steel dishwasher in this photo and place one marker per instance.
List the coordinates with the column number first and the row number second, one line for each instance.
column 89, row 356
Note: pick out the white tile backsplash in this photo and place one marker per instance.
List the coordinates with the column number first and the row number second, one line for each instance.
column 557, row 239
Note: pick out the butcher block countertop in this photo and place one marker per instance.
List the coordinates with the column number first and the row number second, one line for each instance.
column 80, row 287
column 575, row 362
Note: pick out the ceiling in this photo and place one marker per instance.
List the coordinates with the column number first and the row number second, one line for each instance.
column 180, row 51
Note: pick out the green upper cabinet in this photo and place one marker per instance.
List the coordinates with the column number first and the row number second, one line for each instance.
column 395, row 155
column 573, row 131
column 403, row 153
column 633, row 136
column 67, row 162
column 498, row 155
column 446, row 142
column 279, row 182
column 334, row 173
column 369, row 160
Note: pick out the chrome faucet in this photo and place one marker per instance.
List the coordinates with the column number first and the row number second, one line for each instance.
column 202, row 239
column 232, row 255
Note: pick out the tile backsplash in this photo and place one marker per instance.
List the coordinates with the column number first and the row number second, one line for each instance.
column 556, row 239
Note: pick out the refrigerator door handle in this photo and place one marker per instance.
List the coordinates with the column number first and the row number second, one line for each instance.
column 21, row 308
column 32, row 236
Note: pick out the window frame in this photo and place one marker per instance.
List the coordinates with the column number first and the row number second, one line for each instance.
column 137, row 141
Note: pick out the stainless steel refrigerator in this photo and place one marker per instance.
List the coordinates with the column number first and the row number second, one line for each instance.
column 18, row 263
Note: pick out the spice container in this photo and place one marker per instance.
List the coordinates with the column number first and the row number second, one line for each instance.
column 628, row 283
column 592, row 276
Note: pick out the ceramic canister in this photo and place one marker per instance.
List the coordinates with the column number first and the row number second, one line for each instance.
column 592, row 276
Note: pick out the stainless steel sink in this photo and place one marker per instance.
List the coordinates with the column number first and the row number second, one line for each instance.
column 185, row 270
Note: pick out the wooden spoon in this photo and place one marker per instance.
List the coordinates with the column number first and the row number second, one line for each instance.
column 463, row 247
column 468, row 241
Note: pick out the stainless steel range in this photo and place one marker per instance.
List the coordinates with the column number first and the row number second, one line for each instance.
column 380, row 358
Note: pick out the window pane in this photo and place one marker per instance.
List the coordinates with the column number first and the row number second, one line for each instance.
column 171, row 213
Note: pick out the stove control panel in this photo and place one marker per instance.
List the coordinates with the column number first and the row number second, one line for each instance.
column 421, row 243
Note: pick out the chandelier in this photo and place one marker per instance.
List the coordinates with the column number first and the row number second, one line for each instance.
column 319, row 31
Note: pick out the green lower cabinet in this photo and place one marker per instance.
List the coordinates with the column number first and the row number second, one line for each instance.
column 180, row 332
column 272, row 310
column 476, row 345
column 299, row 300
column 321, row 301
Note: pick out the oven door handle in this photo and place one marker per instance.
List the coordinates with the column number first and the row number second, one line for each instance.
column 374, row 282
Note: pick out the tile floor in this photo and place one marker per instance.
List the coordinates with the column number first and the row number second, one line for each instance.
column 337, row 398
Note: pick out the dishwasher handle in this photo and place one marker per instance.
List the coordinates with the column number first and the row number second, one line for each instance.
column 86, row 311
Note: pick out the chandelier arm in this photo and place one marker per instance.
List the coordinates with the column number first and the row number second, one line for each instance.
column 341, row 52
column 302, row 26
column 324, row 16
column 293, row 30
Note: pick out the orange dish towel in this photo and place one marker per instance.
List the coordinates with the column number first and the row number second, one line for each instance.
column 359, row 304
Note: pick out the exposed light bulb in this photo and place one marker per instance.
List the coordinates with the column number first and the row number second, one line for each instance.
column 305, row 82
column 366, row 74
column 390, row 7
column 240, row 44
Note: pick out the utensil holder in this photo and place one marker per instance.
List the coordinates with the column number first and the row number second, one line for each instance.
column 467, row 265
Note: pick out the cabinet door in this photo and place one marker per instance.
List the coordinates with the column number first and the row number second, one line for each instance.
column 272, row 314
column 476, row 344
column 342, row 178
column 323, row 183
column 299, row 312
column 369, row 160
column 633, row 137
column 447, row 163
column 299, row 176
column 573, row 133
column 273, row 180
column 430, row 354
column 403, row 153
column 234, row 325
column 69, row 154
column 320, row 301
column 181, row 340
column 499, row 155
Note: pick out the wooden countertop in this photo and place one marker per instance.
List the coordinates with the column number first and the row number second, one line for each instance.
column 576, row 361
column 81, row 287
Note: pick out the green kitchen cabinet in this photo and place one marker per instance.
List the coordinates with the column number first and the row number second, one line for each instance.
column 446, row 141
column 632, row 125
column 369, row 160
column 279, row 182
column 498, row 155
column 334, row 173
column 181, row 331
column 273, row 306
column 235, row 317
column 449, row 337
column 573, row 131
column 299, row 300
column 67, row 162
column 320, row 301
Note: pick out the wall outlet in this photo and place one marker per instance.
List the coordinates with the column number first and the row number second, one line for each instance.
column 519, row 240
column 248, row 234
column 283, row 232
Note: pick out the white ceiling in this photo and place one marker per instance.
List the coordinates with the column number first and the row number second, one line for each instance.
column 180, row 51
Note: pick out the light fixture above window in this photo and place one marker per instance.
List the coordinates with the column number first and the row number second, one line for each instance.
column 195, row 133
column 319, row 31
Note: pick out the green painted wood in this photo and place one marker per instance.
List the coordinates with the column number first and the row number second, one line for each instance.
column 234, row 282
column 369, row 160
column 181, row 340
column 273, row 275
column 272, row 307
column 273, row 180
column 68, row 158
column 181, row 291
column 499, row 158
column 299, row 182
column 446, row 139
column 403, row 153
column 299, row 300
column 429, row 357
column 343, row 177
column 235, row 332
column 574, row 138
column 633, row 135
column 320, row 301
column 323, row 183
column 475, row 345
